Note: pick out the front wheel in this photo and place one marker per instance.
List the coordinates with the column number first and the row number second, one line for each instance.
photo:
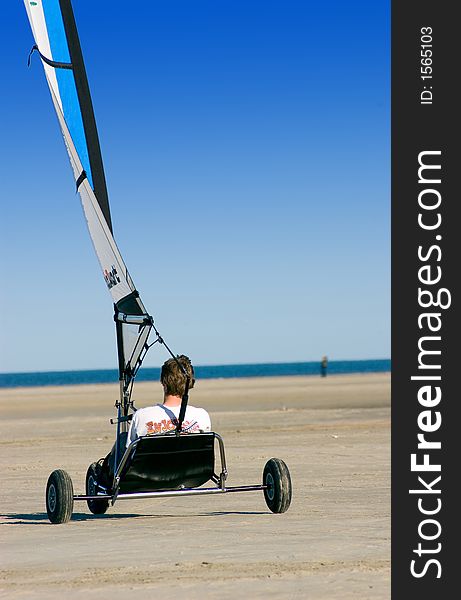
column 59, row 497
column 93, row 475
column 276, row 478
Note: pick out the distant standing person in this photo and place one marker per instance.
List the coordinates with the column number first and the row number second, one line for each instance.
column 323, row 366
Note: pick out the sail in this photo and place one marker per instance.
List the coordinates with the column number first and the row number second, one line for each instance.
column 56, row 40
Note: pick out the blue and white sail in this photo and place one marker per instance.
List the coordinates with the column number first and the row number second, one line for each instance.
column 57, row 42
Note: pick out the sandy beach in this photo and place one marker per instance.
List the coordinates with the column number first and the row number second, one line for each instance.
column 334, row 541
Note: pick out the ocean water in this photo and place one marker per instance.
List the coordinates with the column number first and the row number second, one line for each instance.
column 10, row 380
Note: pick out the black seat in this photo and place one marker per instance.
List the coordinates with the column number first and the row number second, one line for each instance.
column 168, row 462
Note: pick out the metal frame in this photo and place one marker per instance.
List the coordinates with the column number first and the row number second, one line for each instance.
column 218, row 480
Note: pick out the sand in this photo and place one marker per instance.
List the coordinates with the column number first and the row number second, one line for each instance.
column 334, row 541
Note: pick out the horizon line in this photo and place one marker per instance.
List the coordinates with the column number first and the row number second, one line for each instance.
column 294, row 362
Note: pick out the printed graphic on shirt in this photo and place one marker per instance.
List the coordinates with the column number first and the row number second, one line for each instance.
column 167, row 425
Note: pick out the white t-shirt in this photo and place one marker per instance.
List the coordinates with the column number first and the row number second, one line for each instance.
column 159, row 419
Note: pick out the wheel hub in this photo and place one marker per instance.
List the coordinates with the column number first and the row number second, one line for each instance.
column 52, row 497
column 270, row 486
column 91, row 486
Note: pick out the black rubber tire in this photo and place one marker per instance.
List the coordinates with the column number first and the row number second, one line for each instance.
column 59, row 497
column 277, row 478
column 97, row 507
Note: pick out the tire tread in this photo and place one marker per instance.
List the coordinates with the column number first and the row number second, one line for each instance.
column 97, row 507
column 64, row 497
column 282, row 485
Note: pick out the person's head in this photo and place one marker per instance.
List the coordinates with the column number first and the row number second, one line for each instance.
column 172, row 377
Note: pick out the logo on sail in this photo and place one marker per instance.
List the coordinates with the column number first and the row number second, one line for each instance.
column 111, row 277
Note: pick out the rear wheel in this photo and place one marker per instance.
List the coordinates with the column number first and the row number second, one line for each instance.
column 276, row 477
column 59, row 497
column 93, row 475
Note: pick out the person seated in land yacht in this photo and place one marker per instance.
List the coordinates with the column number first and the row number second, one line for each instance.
column 161, row 418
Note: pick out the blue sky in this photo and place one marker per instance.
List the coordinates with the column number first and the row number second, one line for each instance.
column 246, row 146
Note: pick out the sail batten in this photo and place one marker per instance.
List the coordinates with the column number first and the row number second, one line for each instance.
column 56, row 38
